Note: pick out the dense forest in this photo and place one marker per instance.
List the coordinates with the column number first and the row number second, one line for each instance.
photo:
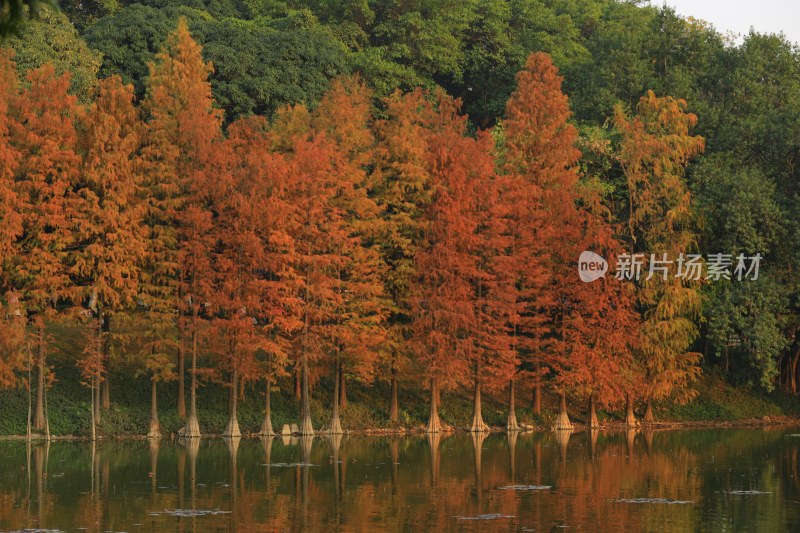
column 269, row 193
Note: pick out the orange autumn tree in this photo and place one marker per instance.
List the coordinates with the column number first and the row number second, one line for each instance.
column 261, row 181
column 655, row 147
column 357, row 330
column 332, row 267
column 110, row 239
column 43, row 132
column 182, row 128
column 446, row 261
column 315, row 232
column 533, row 147
column 10, row 217
column 495, row 357
column 400, row 184
column 590, row 326
column 13, row 356
column 239, row 299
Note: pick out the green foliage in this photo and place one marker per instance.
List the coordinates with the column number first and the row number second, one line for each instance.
column 13, row 13
column 259, row 65
column 131, row 37
column 51, row 38
column 259, row 68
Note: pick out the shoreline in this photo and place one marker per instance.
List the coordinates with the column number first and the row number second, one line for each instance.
column 764, row 423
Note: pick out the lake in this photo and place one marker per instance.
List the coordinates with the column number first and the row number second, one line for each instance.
column 671, row 480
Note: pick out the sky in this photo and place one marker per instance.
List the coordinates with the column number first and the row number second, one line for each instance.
column 765, row 16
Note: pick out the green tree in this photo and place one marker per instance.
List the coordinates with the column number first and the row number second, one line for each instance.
column 52, row 39
column 655, row 147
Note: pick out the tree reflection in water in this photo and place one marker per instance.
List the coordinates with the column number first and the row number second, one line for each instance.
column 736, row 479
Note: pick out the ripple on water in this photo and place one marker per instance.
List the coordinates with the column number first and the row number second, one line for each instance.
column 525, row 487
column 190, row 512
column 287, row 465
column 666, row 501
column 743, row 492
column 492, row 516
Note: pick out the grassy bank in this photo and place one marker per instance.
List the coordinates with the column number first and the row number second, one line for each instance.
column 68, row 405
column 367, row 406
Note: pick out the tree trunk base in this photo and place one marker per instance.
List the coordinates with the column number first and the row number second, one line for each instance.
column 478, row 425
column 155, row 430
column 511, row 422
column 335, row 426
column 630, row 417
column 266, row 429
column 232, row 429
column 434, row 425
column 192, row 428
column 594, row 423
column 306, row 427
column 562, row 422
column 648, row 414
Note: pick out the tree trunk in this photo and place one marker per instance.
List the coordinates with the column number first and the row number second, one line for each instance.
column 96, row 398
column 342, row 387
column 95, row 383
column 630, row 417
column 434, row 423
column 648, row 413
column 511, row 422
column 478, row 425
column 562, row 420
column 394, row 411
column 38, row 420
column 306, row 426
column 537, row 393
column 192, row 428
column 335, row 425
column 266, row 426
column 232, row 429
column 28, row 427
column 181, row 367
column 298, row 394
column 593, row 422
column 106, row 339
column 155, row 427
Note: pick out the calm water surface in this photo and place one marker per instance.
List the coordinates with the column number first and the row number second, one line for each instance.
column 689, row 480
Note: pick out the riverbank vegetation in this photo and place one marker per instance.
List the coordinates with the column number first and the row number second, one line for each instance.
column 339, row 202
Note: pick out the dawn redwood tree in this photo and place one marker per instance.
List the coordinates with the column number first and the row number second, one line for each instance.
column 590, row 327
column 526, row 138
column 107, row 200
column 446, row 258
column 260, row 178
column 182, row 130
column 91, row 366
column 400, row 184
column 598, row 326
column 357, row 327
column 16, row 356
column 495, row 357
column 10, row 216
column 537, row 158
column 238, row 298
column 655, row 147
column 43, row 132
column 465, row 204
column 314, row 231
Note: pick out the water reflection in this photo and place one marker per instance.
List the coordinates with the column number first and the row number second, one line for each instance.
column 629, row 481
